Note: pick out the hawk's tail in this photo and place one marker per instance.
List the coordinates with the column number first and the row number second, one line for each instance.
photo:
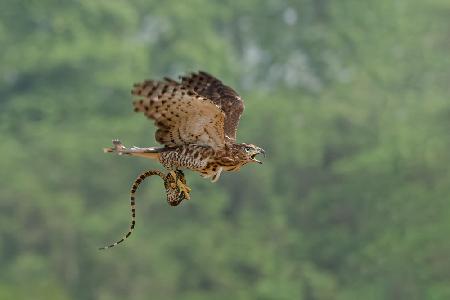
column 150, row 152
column 134, row 187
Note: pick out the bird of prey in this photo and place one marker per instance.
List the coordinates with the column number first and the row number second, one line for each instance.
column 196, row 119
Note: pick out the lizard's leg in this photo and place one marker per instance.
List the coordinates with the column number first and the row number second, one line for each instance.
column 120, row 149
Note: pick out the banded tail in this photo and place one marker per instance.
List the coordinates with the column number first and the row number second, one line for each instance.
column 133, row 190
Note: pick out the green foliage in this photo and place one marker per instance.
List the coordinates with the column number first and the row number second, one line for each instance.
column 349, row 99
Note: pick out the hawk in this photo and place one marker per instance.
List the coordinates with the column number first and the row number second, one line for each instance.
column 196, row 119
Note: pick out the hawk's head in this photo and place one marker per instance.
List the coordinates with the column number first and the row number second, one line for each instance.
column 248, row 152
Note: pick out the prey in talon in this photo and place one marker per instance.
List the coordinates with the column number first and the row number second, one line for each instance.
column 176, row 188
column 173, row 192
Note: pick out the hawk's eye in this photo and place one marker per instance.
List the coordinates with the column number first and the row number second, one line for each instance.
column 248, row 149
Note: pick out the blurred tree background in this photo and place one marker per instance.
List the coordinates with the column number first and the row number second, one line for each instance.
column 349, row 98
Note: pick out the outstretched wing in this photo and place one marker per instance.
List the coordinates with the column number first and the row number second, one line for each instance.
column 181, row 115
column 225, row 97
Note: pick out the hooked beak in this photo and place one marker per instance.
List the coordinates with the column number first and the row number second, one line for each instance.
column 260, row 151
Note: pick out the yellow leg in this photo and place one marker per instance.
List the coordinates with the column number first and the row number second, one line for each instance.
column 174, row 176
column 185, row 189
column 181, row 185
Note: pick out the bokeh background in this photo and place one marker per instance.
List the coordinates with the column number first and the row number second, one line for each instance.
column 349, row 98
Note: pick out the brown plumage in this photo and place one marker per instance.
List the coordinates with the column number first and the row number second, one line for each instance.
column 197, row 120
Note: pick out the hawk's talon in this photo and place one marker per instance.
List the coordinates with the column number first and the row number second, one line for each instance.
column 180, row 184
column 184, row 188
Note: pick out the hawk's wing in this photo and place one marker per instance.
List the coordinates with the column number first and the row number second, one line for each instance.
column 181, row 115
column 225, row 97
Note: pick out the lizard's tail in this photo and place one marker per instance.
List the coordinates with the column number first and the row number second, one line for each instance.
column 134, row 187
